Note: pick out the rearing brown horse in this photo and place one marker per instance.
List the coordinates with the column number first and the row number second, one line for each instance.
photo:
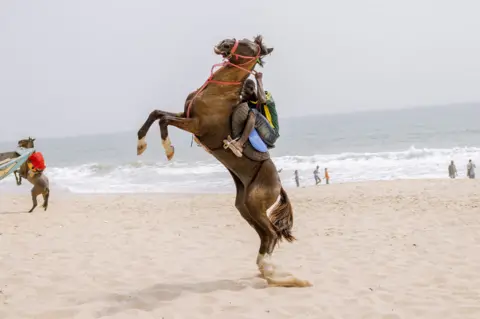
column 207, row 115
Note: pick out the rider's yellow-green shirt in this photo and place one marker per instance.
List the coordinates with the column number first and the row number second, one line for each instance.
column 268, row 110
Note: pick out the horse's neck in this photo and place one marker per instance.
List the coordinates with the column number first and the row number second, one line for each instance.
column 233, row 78
column 231, row 73
column 24, row 167
column 24, row 170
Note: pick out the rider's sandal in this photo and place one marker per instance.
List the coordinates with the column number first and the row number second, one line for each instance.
column 236, row 151
column 228, row 144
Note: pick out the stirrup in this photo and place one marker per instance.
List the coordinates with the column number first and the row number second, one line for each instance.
column 228, row 141
column 227, row 144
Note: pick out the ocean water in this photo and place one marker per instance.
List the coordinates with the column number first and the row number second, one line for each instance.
column 382, row 145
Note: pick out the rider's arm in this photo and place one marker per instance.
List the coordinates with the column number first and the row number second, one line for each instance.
column 262, row 99
column 248, row 128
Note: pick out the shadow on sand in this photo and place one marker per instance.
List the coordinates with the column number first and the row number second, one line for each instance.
column 151, row 297
column 14, row 213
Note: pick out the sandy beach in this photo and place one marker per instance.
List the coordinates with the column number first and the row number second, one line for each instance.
column 398, row 249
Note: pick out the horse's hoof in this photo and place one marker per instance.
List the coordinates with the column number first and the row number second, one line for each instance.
column 170, row 152
column 141, row 146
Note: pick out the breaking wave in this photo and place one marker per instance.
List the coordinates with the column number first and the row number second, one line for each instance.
column 210, row 176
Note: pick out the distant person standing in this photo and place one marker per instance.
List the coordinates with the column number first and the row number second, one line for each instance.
column 327, row 177
column 452, row 170
column 297, row 179
column 471, row 169
column 318, row 180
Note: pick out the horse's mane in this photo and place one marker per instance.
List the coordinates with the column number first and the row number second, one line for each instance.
column 259, row 40
column 263, row 51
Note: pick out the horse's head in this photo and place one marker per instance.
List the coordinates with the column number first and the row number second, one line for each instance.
column 242, row 51
column 26, row 143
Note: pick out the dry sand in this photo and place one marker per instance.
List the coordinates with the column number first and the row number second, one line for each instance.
column 402, row 249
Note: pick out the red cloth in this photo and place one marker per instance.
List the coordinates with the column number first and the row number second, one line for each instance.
column 37, row 161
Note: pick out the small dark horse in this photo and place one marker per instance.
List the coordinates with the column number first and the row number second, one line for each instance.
column 39, row 180
column 207, row 115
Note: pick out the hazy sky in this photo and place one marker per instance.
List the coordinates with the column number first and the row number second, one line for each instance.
column 90, row 66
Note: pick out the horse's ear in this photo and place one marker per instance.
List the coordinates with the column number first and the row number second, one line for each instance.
column 263, row 49
column 33, row 139
column 258, row 40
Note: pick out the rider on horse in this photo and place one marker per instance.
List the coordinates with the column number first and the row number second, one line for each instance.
column 36, row 163
column 262, row 116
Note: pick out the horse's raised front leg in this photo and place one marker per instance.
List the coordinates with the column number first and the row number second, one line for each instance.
column 186, row 124
column 18, row 178
column 142, row 133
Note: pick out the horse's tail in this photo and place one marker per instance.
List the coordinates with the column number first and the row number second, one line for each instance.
column 282, row 217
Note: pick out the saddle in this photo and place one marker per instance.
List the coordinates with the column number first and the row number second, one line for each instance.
column 255, row 149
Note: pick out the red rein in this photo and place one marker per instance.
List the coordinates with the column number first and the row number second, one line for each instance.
column 225, row 62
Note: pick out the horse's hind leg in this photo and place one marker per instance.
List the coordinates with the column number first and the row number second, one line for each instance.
column 142, row 133
column 35, row 192
column 262, row 194
column 267, row 238
column 240, row 200
column 46, row 195
column 257, row 203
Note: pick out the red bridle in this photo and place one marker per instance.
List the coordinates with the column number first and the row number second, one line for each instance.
column 226, row 61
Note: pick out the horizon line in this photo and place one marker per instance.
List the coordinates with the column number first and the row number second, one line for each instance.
column 335, row 113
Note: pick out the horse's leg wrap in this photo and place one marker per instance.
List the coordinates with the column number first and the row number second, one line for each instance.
column 186, row 124
column 168, row 147
column 152, row 117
